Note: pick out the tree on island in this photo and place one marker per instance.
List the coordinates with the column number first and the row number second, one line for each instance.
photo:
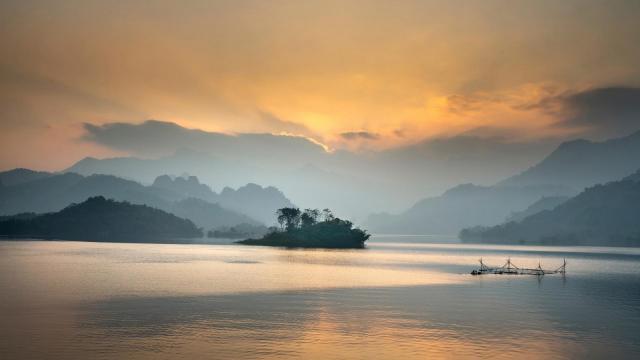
column 309, row 217
column 288, row 218
column 304, row 229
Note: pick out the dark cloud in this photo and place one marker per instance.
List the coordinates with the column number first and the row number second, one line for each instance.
column 153, row 138
column 609, row 109
column 16, row 82
column 472, row 146
column 602, row 112
column 364, row 135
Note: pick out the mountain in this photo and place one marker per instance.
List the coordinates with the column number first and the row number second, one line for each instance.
column 188, row 186
column 212, row 170
column 209, row 215
column 99, row 219
column 254, row 200
column 462, row 206
column 607, row 215
column 633, row 177
column 20, row 175
column 257, row 202
column 573, row 166
column 582, row 163
column 545, row 203
column 311, row 174
column 55, row 192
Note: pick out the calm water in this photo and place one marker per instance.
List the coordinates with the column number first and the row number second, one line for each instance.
column 397, row 299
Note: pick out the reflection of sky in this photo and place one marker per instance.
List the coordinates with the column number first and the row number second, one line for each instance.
column 439, row 320
column 142, row 301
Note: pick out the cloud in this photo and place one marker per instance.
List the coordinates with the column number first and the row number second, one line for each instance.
column 359, row 135
column 601, row 112
column 399, row 133
column 155, row 138
column 276, row 124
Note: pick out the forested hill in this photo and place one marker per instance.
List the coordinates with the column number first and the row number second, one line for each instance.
column 100, row 219
column 607, row 215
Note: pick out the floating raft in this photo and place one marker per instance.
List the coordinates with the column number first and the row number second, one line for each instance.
column 510, row 269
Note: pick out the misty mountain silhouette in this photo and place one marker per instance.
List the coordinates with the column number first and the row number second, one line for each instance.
column 99, row 219
column 257, row 202
column 21, row 175
column 633, row 177
column 55, row 192
column 545, row 203
column 254, row 200
column 185, row 187
column 606, row 214
column 565, row 172
column 343, row 180
column 462, row 206
column 582, row 163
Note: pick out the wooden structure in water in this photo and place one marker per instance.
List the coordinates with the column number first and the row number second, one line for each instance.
column 510, row 268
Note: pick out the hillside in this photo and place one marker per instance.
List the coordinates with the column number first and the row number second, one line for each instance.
column 463, row 206
column 607, row 215
column 209, row 215
column 55, row 192
column 581, row 163
column 573, row 166
column 99, row 219
column 21, row 175
column 633, row 177
column 184, row 187
column 254, row 200
column 545, row 203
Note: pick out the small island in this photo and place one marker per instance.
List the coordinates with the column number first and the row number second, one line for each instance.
column 311, row 228
column 100, row 219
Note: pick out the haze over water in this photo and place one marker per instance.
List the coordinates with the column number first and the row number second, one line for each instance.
column 396, row 299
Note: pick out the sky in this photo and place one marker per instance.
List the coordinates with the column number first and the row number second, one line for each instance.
column 349, row 76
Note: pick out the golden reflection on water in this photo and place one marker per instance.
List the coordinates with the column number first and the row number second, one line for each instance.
column 55, row 269
column 73, row 300
column 331, row 334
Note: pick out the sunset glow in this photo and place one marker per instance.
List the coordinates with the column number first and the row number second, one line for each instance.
column 401, row 72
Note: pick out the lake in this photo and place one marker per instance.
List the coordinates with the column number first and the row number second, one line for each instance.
column 400, row 298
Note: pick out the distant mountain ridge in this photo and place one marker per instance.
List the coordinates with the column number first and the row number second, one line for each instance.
column 99, row 219
column 545, row 203
column 246, row 199
column 183, row 197
column 573, row 166
column 182, row 161
column 605, row 215
column 21, row 175
column 252, row 199
column 185, row 187
column 350, row 182
column 633, row 177
column 582, row 163
column 462, row 206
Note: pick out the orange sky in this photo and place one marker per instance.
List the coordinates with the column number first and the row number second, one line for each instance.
column 401, row 71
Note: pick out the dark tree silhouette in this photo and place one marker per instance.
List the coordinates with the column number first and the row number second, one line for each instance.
column 289, row 217
column 327, row 215
column 309, row 217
